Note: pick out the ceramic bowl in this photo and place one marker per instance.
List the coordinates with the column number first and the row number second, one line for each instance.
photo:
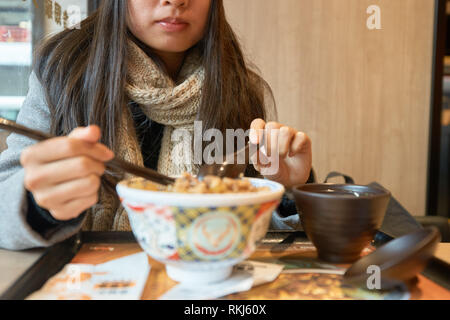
column 340, row 219
column 200, row 237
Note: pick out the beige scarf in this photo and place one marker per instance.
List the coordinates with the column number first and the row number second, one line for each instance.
column 173, row 104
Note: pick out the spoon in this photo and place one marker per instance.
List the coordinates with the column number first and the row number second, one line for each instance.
column 230, row 169
column 115, row 163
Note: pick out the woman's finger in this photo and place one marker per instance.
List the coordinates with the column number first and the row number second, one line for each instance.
column 271, row 133
column 89, row 134
column 62, row 171
column 257, row 131
column 300, row 142
column 55, row 196
column 260, row 160
column 73, row 208
column 63, row 148
column 285, row 138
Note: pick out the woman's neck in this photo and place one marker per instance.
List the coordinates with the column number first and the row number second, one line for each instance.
column 172, row 61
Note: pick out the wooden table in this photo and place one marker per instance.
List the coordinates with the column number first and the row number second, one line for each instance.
column 443, row 252
column 286, row 287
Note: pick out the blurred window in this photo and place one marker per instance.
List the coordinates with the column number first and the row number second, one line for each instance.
column 22, row 24
column 15, row 54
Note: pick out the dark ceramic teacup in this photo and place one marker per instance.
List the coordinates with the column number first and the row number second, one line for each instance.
column 340, row 219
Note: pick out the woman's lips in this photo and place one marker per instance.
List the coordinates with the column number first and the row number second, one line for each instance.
column 172, row 25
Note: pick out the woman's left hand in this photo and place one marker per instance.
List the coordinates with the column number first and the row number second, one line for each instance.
column 288, row 150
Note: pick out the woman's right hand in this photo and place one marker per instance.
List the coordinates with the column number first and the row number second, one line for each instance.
column 63, row 173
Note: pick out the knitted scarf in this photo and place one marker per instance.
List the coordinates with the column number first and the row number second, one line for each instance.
column 174, row 104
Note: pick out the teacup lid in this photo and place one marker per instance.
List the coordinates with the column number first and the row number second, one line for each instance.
column 398, row 261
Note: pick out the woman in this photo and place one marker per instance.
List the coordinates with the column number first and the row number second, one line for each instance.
column 134, row 73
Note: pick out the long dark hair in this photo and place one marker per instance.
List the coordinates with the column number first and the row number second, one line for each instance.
column 83, row 72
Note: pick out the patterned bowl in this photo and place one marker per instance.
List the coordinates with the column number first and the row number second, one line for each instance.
column 200, row 237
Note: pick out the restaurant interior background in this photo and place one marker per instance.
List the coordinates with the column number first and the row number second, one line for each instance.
column 375, row 102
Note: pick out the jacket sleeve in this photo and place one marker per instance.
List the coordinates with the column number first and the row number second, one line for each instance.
column 16, row 232
column 286, row 216
column 42, row 221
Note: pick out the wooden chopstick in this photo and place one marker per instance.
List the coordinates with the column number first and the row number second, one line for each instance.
column 115, row 163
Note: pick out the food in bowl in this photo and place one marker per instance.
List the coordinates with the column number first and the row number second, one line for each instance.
column 190, row 184
column 199, row 236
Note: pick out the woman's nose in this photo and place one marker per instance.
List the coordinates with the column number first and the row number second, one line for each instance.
column 175, row 3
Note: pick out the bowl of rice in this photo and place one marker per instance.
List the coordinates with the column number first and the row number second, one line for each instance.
column 200, row 229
